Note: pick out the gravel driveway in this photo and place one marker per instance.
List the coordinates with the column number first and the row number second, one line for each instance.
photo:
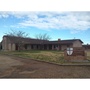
column 14, row 67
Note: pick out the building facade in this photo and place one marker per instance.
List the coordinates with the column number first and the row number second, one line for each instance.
column 11, row 43
column 86, row 47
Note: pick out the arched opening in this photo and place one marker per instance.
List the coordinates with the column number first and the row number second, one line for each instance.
column 16, row 48
column 0, row 47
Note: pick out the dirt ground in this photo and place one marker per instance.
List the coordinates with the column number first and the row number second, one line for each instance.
column 14, row 67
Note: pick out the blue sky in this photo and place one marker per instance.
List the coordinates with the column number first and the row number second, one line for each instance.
column 63, row 25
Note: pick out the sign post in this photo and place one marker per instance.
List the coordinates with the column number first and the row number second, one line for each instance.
column 74, row 54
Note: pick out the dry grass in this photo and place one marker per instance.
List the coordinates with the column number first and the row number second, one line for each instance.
column 48, row 56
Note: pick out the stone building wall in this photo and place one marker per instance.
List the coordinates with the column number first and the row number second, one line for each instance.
column 4, row 44
column 63, row 47
column 7, row 45
column 77, row 44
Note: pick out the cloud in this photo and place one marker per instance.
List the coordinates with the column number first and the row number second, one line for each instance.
column 4, row 15
column 73, row 21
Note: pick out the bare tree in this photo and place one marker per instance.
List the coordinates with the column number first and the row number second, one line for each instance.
column 42, row 36
column 17, row 33
column 20, row 35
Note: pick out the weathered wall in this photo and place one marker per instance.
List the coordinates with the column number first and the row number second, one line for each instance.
column 28, row 47
column 63, row 47
column 4, row 44
column 13, row 47
column 7, row 45
column 77, row 44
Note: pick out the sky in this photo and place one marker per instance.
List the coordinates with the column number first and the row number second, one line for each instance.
column 63, row 25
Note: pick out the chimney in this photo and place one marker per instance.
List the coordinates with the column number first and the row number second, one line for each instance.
column 59, row 39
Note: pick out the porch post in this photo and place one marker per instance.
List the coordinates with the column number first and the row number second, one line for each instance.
column 52, row 47
column 13, row 47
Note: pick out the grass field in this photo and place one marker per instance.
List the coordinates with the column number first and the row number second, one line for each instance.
column 48, row 56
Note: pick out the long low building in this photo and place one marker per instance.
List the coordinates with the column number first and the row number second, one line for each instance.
column 12, row 43
column 86, row 47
